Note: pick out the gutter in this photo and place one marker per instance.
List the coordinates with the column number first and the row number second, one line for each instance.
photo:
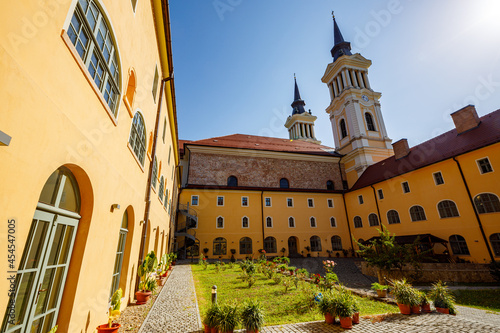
column 478, row 219
column 378, row 210
column 262, row 218
column 345, row 207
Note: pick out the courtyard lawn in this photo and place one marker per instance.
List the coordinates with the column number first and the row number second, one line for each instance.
column 481, row 299
column 279, row 307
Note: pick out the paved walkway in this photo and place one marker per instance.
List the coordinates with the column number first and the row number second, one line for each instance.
column 176, row 310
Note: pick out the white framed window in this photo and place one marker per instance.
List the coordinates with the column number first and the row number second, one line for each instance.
column 484, row 165
column 245, row 222
column 289, row 202
column 417, row 213
column 380, row 194
column 269, row 222
column 194, row 200
column 291, row 222
column 360, row 199
column 161, row 188
column 312, row 220
column 154, row 176
column 438, row 178
column 220, row 201
column 310, row 203
column 244, row 201
column 406, row 187
column 220, row 222
column 333, row 223
column 268, row 202
column 329, row 203
column 137, row 139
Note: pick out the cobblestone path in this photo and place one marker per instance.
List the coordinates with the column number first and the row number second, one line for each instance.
column 176, row 308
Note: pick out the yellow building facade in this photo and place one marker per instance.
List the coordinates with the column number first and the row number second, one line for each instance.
column 90, row 123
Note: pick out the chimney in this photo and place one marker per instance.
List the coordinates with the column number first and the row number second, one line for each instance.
column 465, row 119
column 401, row 148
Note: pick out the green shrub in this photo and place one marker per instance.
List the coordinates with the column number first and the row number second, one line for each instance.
column 252, row 315
column 228, row 318
column 442, row 298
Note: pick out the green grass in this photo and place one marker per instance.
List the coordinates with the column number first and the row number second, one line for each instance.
column 279, row 308
column 480, row 299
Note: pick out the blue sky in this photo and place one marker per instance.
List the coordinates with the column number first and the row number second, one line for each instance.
column 234, row 62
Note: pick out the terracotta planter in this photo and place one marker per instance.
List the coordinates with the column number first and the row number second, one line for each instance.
column 142, row 297
column 214, row 330
column 415, row 309
column 252, row 331
column 209, row 329
column 404, row 309
column 346, row 322
column 355, row 318
column 105, row 329
column 329, row 319
column 443, row 310
column 382, row 293
column 426, row 308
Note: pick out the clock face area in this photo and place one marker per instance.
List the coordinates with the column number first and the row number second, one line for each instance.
column 365, row 98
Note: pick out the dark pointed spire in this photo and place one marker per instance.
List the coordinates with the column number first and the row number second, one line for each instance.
column 340, row 47
column 298, row 103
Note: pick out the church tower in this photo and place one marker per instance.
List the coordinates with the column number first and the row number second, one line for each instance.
column 357, row 123
column 300, row 124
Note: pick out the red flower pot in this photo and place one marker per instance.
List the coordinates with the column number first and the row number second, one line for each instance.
column 426, row 308
column 142, row 297
column 404, row 309
column 355, row 318
column 252, row 331
column 208, row 329
column 329, row 319
column 382, row 293
column 106, row 329
column 214, row 330
column 346, row 322
column 415, row 309
column 443, row 310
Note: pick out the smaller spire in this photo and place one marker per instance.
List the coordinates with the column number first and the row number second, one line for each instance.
column 298, row 103
column 340, row 47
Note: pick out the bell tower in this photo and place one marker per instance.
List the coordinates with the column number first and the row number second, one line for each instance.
column 300, row 124
column 357, row 123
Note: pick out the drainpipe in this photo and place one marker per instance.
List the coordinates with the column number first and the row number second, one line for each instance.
column 378, row 210
column 345, row 207
column 475, row 211
column 150, row 175
column 262, row 216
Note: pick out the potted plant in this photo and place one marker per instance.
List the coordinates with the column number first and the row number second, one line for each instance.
column 252, row 316
column 291, row 270
column 328, row 306
column 173, row 258
column 424, row 302
column 405, row 295
column 211, row 318
column 329, row 253
column 345, row 310
column 345, row 252
column 337, row 254
column 148, row 282
column 227, row 319
column 308, row 248
column 205, row 251
column 355, row 309
column 113, row 313
column 442, row 298
column 380, row 289
column 233, row 252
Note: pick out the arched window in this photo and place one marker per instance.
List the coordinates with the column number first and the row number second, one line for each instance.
column 122, row 239
column 495, row 243
column 417, row 213
column 270, row 245
column 291, row 222
column 358, row 223
column 137, row 138
column 220, row 222
column 343, row 129
column 336, row 243
column 369, row 122
column 458, row 245
column 269, row 222
column 329, row 185
column 95, row 43
column 130, row 94
column 393, row 217
column 333, row 223
column 232, row 181
column 154, row 175
column 220, row 246
column 487, row 203
column 246, row 245
column 284, row 183
column 244, row 222
column 313, row 222
column 373, row 220
column 315, row 244
column 447, row 208
column 161, row 189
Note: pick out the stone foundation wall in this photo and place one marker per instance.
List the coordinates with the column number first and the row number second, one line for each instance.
column 439, row 271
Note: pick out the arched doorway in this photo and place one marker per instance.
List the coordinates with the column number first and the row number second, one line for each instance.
column 292, row 246
column 44, row 263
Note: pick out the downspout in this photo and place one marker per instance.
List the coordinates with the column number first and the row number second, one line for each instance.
column 150, row 174
column 345, row 207
column 475, row 211
column 262, row 216
column 378, row 210
column 189, row 165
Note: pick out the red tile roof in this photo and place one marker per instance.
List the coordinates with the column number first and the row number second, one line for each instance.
column 243, row 141
column 437, row 149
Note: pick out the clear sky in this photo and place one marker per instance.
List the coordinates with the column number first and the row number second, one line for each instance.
column 234, row 62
